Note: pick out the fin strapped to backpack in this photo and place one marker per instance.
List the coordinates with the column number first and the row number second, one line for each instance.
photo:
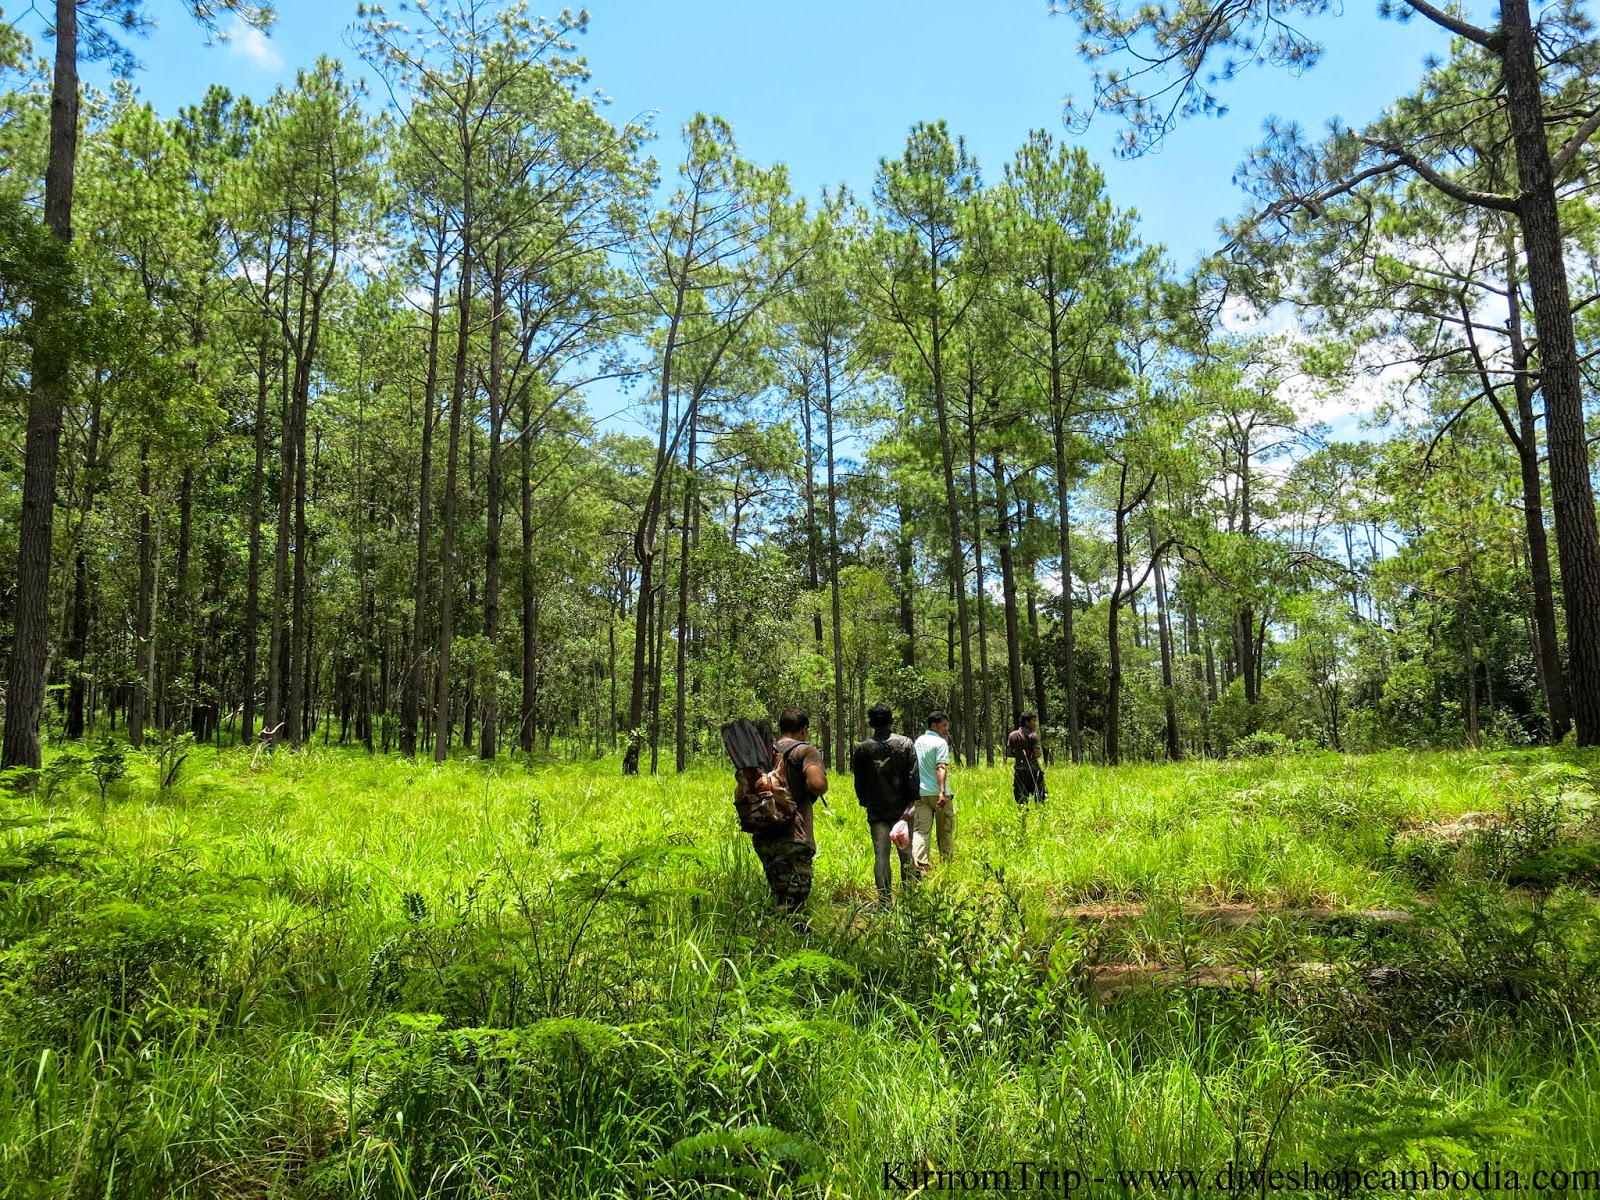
column 761, row 793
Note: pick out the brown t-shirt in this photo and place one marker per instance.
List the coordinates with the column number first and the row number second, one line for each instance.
column 1023, row 746
column 797, row 757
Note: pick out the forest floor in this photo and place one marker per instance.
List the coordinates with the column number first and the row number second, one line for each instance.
column 332, row 975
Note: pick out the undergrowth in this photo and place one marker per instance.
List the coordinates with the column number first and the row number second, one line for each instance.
column 337, row 976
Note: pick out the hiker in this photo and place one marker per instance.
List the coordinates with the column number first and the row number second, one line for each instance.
column 1026, row 752
column 936, row 806
column 885, row 770
column 786, row 851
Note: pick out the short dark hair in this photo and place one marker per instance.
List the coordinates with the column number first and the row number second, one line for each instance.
column 1030, row 715
column 936, row 716
column 793, row 720
column 880, row 715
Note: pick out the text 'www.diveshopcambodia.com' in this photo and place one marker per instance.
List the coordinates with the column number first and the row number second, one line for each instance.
column 1026, row 1177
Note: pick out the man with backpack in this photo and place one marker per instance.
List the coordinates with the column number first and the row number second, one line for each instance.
column 885, row 770
column 786, row 851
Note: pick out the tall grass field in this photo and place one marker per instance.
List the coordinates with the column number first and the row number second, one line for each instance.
column 329, row 975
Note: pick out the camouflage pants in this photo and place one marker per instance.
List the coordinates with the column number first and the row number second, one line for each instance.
column 788, row 868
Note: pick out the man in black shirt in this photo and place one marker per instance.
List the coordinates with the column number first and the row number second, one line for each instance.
column 885, row 771
column 1024, row 749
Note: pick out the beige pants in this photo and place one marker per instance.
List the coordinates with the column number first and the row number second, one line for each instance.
column 925, row 821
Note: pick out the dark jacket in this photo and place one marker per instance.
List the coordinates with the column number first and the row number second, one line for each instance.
column 885, row 772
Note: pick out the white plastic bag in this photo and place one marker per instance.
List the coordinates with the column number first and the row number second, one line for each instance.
column 900, row 835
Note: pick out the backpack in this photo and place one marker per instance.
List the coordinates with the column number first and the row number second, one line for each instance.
column 762, row 795
column 882, row 780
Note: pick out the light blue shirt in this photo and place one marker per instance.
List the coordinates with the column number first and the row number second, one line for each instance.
column 931, row 751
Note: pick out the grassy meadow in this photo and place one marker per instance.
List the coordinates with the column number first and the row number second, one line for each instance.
column 329, row 975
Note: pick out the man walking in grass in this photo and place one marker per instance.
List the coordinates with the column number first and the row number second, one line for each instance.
column 786, row 852
column 1026, row 753
column 885, row 771
column 936, row 806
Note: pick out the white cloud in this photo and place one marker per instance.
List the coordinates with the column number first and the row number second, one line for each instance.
column 249, row 43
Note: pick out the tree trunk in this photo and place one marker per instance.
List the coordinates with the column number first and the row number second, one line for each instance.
column 299, row 653
column 447, row 540
column 657, row 655
column 530, row 623
column 1008, row 589
column 252, row 592
column 144, row 605
column 280, row 561
column 1164, row 633
column 1548, row 646
column 1040, row 703
column 182, row 679
column 680, row 693
column 955, row 562
column 1577, row 538
column 50, row 378
column 841, row 722
column 1069, row 654
column 413, row 679
column 78, row 647
column 488, row 745
column 905, row 566
column 984, row 690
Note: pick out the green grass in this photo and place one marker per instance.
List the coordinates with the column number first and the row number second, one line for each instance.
column 345, row 976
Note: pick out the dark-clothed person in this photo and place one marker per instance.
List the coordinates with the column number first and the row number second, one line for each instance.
column 1026, row 752
column 786, row 852
column 884, row 767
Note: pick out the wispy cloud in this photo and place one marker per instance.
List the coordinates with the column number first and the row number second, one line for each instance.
column 254, row 46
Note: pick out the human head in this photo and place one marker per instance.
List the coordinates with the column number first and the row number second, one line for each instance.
column 939, row 722
column 1030, row 720
column 794, row 720
column 880, row 716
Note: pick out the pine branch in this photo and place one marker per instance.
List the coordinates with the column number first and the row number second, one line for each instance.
column 1488, row 39
column 1449, row 187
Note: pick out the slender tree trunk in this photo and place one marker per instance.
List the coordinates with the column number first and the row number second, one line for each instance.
column 657, row 656
column 78, row 646
column 447, row 539
column 1008, row 590
column 252, row 587
column 1069, row 654
column 841, row 722
column 280, row 562
column 905, row 565
column 1164, row 633
column 1577, row 538
column 1040, row 702
column 144, row 615
column 985, row 697
column 1113, row 737
column 414, row 679
column 955, row 563
column 181, row 679
column 299, row 652
column 530, row 623
column 680, row 681
column 488, row 744
column 1469, row 654
column 814, row 554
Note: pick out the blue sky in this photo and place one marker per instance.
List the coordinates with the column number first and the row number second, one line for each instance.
column 830, row 86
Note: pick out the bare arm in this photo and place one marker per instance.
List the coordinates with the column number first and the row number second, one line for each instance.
column 816, row 777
